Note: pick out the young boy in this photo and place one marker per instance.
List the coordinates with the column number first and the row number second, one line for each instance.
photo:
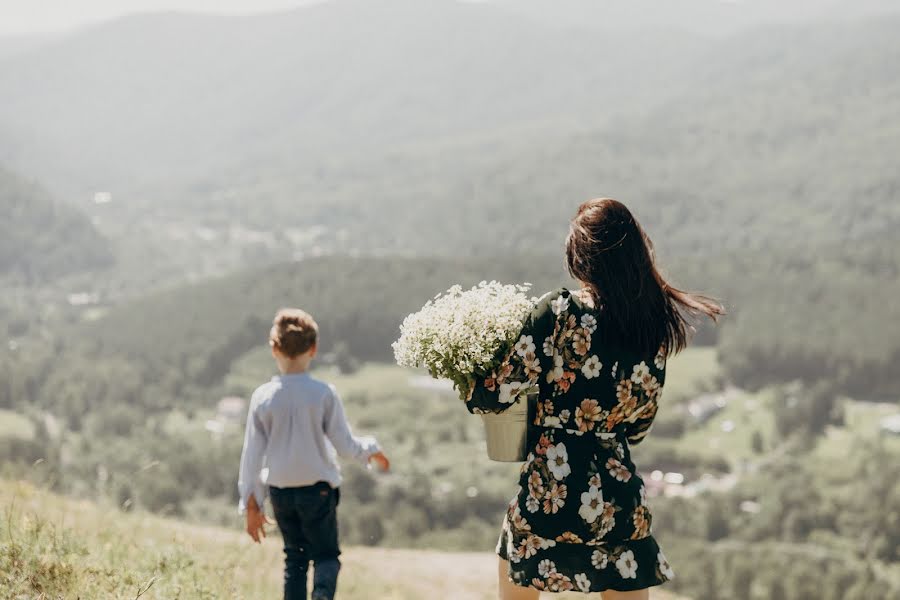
column 289, row 421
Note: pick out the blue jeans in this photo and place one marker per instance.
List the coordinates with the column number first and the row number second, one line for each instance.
column 307, row 518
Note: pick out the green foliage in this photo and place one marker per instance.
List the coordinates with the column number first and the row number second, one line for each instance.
column 41, row 238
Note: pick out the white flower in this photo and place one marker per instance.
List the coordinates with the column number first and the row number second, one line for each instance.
column 615, row 369
column 525, row 345
column 591, row 504
column 564, row 415
column 591, row 367
column 626, row 565
column 599, row 559
column 528, row 547
column 583, row 583
column 560, row 305
column 546, row 543
column 640, row 371
column 589, row 322
column 558, row 370
column 660, row 359
column 532, row 504
column 509, row 392
column 552, row 422
column 664, row 567
column 549, row 346
column 462, row 332
column 545, row 567
column 558, row 461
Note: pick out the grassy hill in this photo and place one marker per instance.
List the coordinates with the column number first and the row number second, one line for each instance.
column 52, row 547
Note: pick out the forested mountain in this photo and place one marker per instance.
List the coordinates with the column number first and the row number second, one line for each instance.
column 167, row 96
column 753, row 154
column 41, row 237
column 708, row 17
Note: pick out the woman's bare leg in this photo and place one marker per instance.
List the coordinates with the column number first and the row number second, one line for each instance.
column 638, row 595
column 510, row 591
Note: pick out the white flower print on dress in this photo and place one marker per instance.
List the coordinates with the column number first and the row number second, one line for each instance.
column 525, row 345
column 664, row 567
column 560, row 305
column 555, row 498
column 592, row 367
column 558, row 461
column 615, row 369
column 532, row 504
column 564, row 415
column 599, row 559
column 618, row 470
column 591, row 504
column 626, row 565
column 509, row 392
column 545, row 567
column 581, row 344
column 583, row 583
column 589, row 322
column 548, row 346
column 558, row 370
column 529, row 546
column 660, row 359
column 640, row 372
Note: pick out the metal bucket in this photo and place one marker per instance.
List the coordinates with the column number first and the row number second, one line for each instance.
column 507, row 432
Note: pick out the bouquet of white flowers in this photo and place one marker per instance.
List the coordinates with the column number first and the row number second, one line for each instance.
column 461, row 334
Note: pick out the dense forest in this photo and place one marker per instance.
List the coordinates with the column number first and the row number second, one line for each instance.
column 41, row 237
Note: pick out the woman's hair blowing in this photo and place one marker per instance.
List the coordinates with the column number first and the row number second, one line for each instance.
column 609, row 252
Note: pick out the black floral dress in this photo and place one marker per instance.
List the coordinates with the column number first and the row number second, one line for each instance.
column 579, row 520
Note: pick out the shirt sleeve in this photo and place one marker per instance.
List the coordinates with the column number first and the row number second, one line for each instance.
column 252, row 458
column 520, row 369
column 341, row 436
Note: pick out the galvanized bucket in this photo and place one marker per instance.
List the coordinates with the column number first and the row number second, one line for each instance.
column 507, row 432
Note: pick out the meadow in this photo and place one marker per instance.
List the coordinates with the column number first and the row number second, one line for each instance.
column 57, row 548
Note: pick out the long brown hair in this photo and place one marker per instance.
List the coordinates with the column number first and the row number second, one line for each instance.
column 608, row 251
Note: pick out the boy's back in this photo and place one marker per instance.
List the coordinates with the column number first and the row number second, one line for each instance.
column 296, row 420
column 294, row 426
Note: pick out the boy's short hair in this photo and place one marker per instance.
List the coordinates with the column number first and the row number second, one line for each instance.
column 293, row 332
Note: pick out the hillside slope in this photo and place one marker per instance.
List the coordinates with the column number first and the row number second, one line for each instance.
column 53, row 547
column 42, row 238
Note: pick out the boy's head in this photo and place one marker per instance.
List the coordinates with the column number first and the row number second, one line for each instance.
column 294, row 333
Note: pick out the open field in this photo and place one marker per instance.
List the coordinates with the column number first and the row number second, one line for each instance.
column 52, row 547
column 14, row 425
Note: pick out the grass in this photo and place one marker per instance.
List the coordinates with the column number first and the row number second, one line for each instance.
column 692, row 370
column 15, row 425
column 51, row 547
column 730, row 432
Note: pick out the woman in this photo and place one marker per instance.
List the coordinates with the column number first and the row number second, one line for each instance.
column 597, row 358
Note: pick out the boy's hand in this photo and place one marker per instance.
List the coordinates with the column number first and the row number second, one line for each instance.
column 256, row 520
column 381, row 460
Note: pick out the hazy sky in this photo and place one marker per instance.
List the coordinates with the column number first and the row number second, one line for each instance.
column 27, row 16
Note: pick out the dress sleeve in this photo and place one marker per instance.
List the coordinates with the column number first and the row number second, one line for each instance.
column 519, row 372
column 648, row 382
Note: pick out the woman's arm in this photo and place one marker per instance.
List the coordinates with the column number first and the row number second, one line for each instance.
column 519, row 372
column 650, row 378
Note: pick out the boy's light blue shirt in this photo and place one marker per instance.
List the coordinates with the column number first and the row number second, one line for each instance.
column 294, row 425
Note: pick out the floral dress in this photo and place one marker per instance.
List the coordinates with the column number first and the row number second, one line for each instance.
column 579, row 520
